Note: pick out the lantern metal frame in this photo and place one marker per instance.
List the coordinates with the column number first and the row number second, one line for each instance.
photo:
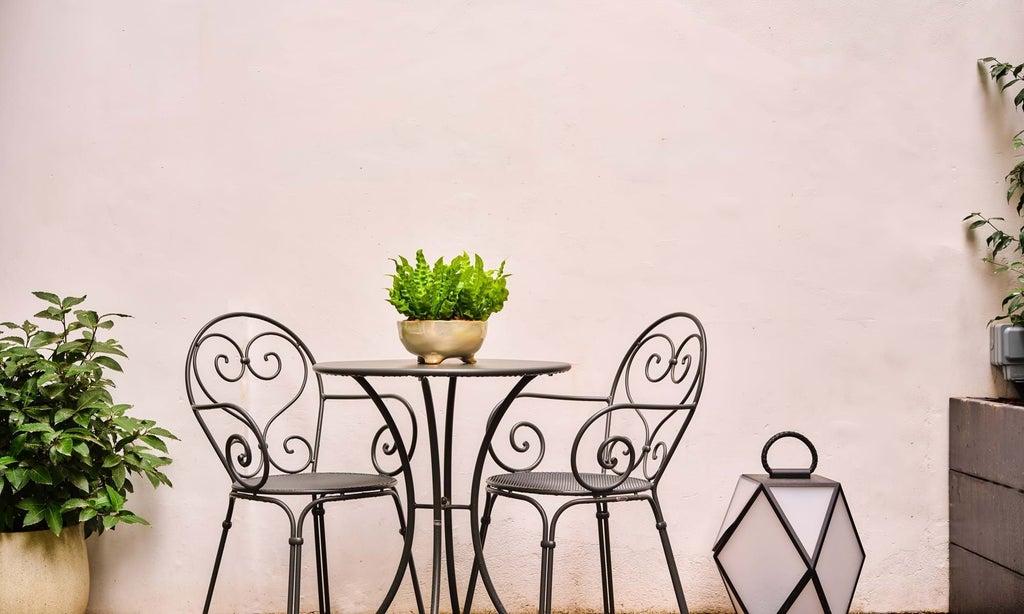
column 789, row 478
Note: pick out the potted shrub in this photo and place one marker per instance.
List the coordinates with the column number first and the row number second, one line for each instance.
column 446, row 305
column 1005, row 249
column 68, row 453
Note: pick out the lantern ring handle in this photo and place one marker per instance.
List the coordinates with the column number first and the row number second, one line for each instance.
column 789, row 473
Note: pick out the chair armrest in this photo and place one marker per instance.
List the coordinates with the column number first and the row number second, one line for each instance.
column 562, row 397
column 251, row 480
column 519, row 432
column 386, row 448
column 653, row 406
column 651, row 450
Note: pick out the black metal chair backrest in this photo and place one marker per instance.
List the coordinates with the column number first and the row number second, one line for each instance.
column 242, row 361
column 653, row 398
column 672, row 353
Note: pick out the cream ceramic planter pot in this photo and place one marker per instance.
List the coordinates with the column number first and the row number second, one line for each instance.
column 435, row 340
column 41, row 573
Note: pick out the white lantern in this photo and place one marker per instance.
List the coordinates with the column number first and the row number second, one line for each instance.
column 788, row 542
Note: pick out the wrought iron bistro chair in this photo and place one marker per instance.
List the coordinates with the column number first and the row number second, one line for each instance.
column 241, row 363
column 620, row 453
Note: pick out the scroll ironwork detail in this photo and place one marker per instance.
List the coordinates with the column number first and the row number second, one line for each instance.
column 651, row 402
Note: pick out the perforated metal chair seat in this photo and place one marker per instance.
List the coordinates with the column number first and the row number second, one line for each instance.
column 564, row 483
column 322, row 483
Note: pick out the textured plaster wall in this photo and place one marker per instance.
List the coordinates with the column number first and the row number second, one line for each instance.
column 792, row 172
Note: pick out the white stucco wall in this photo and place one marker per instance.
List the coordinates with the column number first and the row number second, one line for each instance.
column 792, row 172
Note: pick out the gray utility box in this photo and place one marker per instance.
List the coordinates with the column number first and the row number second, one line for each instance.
column 986, row 506
column 1006, row 350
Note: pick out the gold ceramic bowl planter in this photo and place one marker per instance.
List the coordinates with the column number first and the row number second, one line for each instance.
column 41, row 573
column 435, row 340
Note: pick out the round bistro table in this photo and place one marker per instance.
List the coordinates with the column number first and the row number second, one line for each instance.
column 441, row 454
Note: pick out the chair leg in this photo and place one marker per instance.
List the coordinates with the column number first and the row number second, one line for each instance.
column 547, row 570
column 294, row 572
column 673, row 572
column 604, row 544
column 220, row 552
column 320, row 548
column 485, row 521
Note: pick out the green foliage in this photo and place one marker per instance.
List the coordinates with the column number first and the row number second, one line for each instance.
column 67, row 451
column 460, row 290
column 1010, row 244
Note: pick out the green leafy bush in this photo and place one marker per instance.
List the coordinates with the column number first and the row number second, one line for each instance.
column 460, row 290
column 67, row 451
column 1009, row 244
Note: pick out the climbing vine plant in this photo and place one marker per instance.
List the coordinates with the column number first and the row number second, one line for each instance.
column 1005, row 246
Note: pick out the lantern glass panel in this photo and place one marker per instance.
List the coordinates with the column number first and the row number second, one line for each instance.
column 745, row 488
column 805, row 507
column 807, row 602
column 840, row 560
column 761, row 560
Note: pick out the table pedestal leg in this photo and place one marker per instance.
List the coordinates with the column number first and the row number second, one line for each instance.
column 408, row 527
column 449, row 542
column 436, row 500
column 441, row 491
column 474, row 500
column 441, row 485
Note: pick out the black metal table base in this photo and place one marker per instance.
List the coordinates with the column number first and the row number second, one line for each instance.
column 441, row 501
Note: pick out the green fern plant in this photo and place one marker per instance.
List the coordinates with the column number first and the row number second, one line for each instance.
column 462, row 289
column 999, row 242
